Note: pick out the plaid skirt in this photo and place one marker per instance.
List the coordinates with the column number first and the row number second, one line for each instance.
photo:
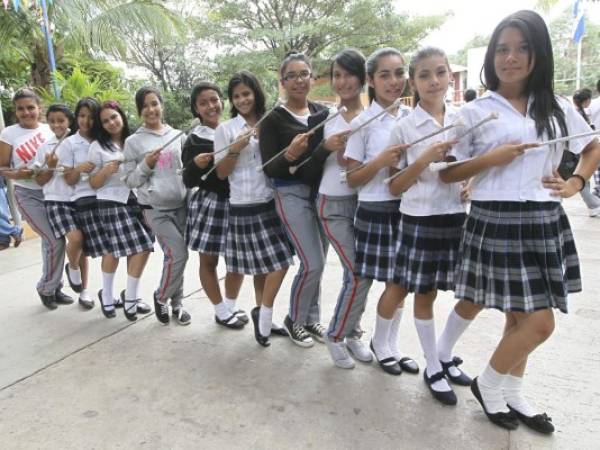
column 206, row 227
column 89, row 222
column 125, row 230
column 256, row 240
column 61, row 216
column 427, row 250
column 376, row 231
column 517, row 256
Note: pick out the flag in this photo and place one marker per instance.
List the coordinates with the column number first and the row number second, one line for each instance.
column 16, row 4
column 579, row 29
column 5, row 2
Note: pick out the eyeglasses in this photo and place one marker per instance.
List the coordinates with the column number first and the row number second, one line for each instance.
column 302, row 76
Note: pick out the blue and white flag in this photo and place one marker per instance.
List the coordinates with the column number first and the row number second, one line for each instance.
column 579, row 29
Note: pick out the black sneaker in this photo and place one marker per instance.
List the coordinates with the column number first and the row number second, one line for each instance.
column 317, row 331
column 61, row 298
column 182, row 316
column 297, row 333
column 48, row 301
column 161, row 311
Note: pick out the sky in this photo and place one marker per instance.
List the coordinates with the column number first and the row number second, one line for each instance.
column 477, row 17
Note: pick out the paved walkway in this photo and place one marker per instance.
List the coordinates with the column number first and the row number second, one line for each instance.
column 70, row 379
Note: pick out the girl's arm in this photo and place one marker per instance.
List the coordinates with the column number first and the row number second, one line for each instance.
column 100, row 178
column 387, row 158
column 12, row 174
column 409, row 175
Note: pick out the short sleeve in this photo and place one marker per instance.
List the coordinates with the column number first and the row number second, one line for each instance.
column 6, row 136
column 576, row 124
column 355, row 147
column 221, row 140
column 463, row 149
column 396, row 138
column 95, row 157
column 65, row 153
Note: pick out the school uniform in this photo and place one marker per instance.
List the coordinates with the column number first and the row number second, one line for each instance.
column 294, row 201
column 256, row 241
column 162, row 196
column 30, row 199
column 336, row 207
column 208, row 206
column 517, row 251
column 377, row 216
column 74, row 151
column 125, row 231
column 432, row 214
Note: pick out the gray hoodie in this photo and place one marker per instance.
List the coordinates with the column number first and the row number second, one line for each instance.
column 162, row 186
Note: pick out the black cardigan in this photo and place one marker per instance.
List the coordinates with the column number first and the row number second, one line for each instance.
column 192, row 174
column 277, row 131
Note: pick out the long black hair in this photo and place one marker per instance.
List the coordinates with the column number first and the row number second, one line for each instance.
column 579, row 98
column 248, row 79
column 373, row 62
column 540, row 82
column 100, row 134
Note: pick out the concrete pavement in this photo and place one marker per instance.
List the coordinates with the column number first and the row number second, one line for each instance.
column 72, row 379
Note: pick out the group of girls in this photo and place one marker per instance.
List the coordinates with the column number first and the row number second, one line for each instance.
column 299, row 178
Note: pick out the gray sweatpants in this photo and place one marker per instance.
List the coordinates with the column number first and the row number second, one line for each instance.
column 31, row 204
column 337, row 216
column 169, row 228
column 299, row 217
column 590, row 200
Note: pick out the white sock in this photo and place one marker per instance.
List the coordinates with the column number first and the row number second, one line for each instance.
column 108, row 297
column 455, row 327
column 131, row 293
column 85, row 295
column 490, row 385
column 265, row 319
column 75, row 275
column 393, row 337
column 426, row 332
column 512, row 392
column 231, row 303
column 222, row 311
column 381, row 337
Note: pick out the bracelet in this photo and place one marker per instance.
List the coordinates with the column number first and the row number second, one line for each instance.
column 583, row 182
column 233, row 154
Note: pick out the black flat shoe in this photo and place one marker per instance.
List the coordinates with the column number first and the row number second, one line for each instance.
column 108, row 313
column 86, row 304
column 462, row 379
column 241, row 315
column 540, row 422
column 262, row 340
column 505, row 420
column 445, row 397
column 76, row 287
column 131, row 310
column 278, row 331
column 392, row 369
column 142, row 307
column 60, row 298
column 231, row 322
column 48, row 301
column 408, row 365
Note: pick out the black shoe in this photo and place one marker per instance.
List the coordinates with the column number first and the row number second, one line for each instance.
column 505, row 420
column 141, row 307
column 462, row 379
column 278, row 331
column 118, row 303
column 161, row 311
column 232, row 322
column 297, row 334
column 76, row 287
column 48, row 301
column 181, row 316
column 408, row 365
column 540, row 422
column 130, row 310
column 262, row 340
column 60, row 298
column 445, row 397
column 109, row 313
column 241, row 315
column 393, row 369
column 86, row 303
column 317, row 331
